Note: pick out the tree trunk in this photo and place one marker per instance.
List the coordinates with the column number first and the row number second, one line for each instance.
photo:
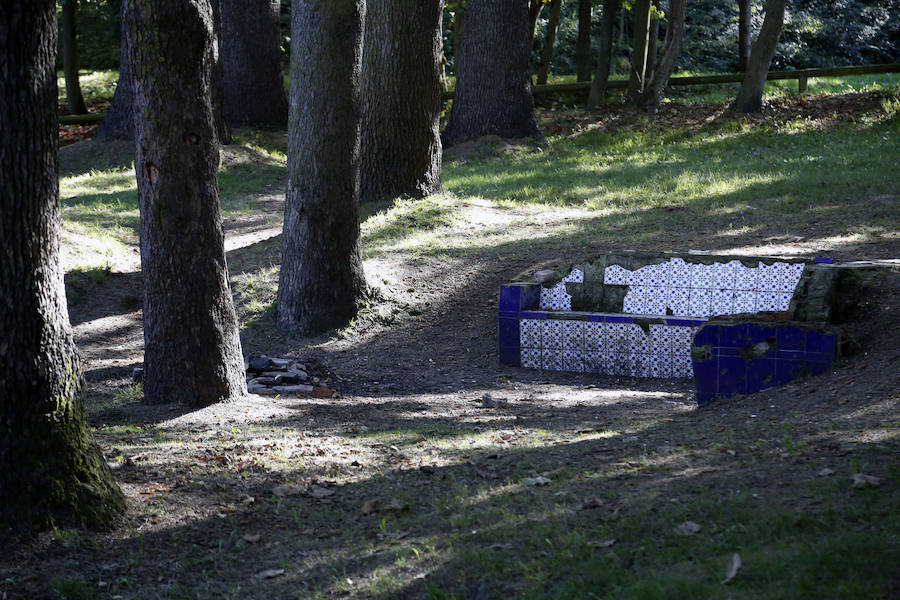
column 322, row 284
column 74, row 98
column 217, row 83
column 119, row 121
column 549, row 40
column 583, row 43
column 192, row 352
column 493, row 87
column 251, row 60
column 50, row 470
column 534, row 11
column 641, row 38
column 459, row 18
column 605, row 53
column 652, row 95
column 744, row 16
column 653, row 40
column 401, row 100
column 749, row 98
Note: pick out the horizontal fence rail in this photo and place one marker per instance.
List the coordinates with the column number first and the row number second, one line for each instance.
column 801, row 75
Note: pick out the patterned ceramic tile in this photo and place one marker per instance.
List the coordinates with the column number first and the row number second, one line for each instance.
column 573, row 335
column 660, row 340
column 721, row 302
column 639, row 365
column 744, row 302
column 679, row 300
column 792, row 273
column 593, row 336
column 767, row 278
column 572, row 361
column 655, row 300
column 615, row 275
column 725, row 275
column 767, row 301
column 530, row 333
column 701, row 303
column 552, row 360
column 679, row 273
column 551, row 334
column 531, row 358
column 782, row 300
column 660, row 365
column 576, row 276
column 657, row 275
column 745, row 279
column 637, row 277
column 638, row 340
column 682, row 367
column 634, row 300
column 593, row 363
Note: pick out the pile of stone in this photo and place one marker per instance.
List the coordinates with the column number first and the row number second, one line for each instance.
column 284, row 376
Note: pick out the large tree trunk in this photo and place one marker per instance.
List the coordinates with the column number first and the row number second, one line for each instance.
column 192, row 352
column 493, row 87
column 749, row 98
column 50, row 470
column 119, row 121
column 583, row 43
column 604, row 54
column 549, row 40
column 401, row 100
column 640, row 42
column 74, row 98
column 652, row 95
column 744, row 16
column 322, row 284
column 251, row 60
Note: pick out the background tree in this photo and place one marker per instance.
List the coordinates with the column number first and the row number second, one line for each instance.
column 604, row 53
column 749, row 98
column 549, row 40
column 118, row 124
column 583, row 43
column 251, row 62
column 743, row 34
column 493, row 86
column 322, row 285
column 640, row 42
column 651, row 96
column 401, row 100
column 50, row 470
column 192, row 352
column 74, row 98
column 217, row 82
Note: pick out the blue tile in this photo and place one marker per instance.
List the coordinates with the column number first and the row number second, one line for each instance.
column 619, row 319
column 789, row 370
column 733, row 336
column 824, row 260
column 820, row 342
column 685, row 322
column 705, row 375
column 532, row 314
column 704, row 398
column 732, row 375
column 508, row 333
column 792, row 355
column 728, row 352
column 596, row 318
column 530, row 297
column 509, row 314
column 708, row 335
column 791, row 337
column 761, row 333
column 761, row 374
column 510, row 356
column 510, row 297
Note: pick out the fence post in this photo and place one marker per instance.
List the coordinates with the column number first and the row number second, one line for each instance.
column 801, row 84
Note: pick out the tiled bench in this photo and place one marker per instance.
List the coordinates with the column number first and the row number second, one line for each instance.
column 641, row 319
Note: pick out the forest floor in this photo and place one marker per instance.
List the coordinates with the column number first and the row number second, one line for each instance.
column 404, row 485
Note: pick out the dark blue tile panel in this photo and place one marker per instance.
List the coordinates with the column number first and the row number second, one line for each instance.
column 532, row 314
column 508, row 332
column 681, row 321
column 707, row 335
column 732, row 375
column 519, row 296
column 760, row 374
column 510, row 356
column 791, row 337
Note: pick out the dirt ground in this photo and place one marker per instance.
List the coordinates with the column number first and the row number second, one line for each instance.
column 265, row 497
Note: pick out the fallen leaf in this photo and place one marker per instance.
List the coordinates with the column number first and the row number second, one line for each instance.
column 251, row 538
column 688, row 528
column 320, row 492
column 861, row 480
column 269, row 573
column 536, row 481
column 734, row 566
column 825, row 472
column 370, row 506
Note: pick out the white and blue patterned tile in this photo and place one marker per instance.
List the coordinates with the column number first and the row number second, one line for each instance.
column 745, row 279
column 634, row 300
column 593, row 363
column 767, row 278
column 657, row 275
column 744, row 302
column 682, row 366
column 660, row 365
column 725, row 275
column 766, row 301
column 721, row 302
column 531, row 358
column 660, row 340
column 552, row 360
column 679, row 300
column 551, row 334
column 638, row 340
column 573, row 335
column 782, row 300
column 701, row 302
column 530, row 333
column 701, row 277
column 791, row 277
column 639, row 365
column 615, row 275
column 573, row 361
column 679, row 273
column 576, row 276
column 655, row 300
column 637, row 277
column 593, row 336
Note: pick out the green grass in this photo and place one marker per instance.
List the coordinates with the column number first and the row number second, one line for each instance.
column 95, row 85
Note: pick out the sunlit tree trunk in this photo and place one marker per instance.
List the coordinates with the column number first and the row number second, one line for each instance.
column 655, row 87
column 640, row 41
column 604, row 53
column 192, row 351
column 322, row 285
column 74, row 98
column 749, row 98
column 549, row 41
column 51, row 473
column 744, row 16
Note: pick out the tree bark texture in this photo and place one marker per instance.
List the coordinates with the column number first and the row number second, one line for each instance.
column 217, row 85
column 322, row 285
column 749, row 98
column 653, row 40
column 401, row 100
column 640, row 41
column 119, row 121
column 251, row 61
column 549, row 40
column 74, row 98
column 50, row 470
column 534, row 11
column 604, row 53
column 744, row 16
column 493, row 86
column 192, row 352
column 652, row 95
column 583, row 43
